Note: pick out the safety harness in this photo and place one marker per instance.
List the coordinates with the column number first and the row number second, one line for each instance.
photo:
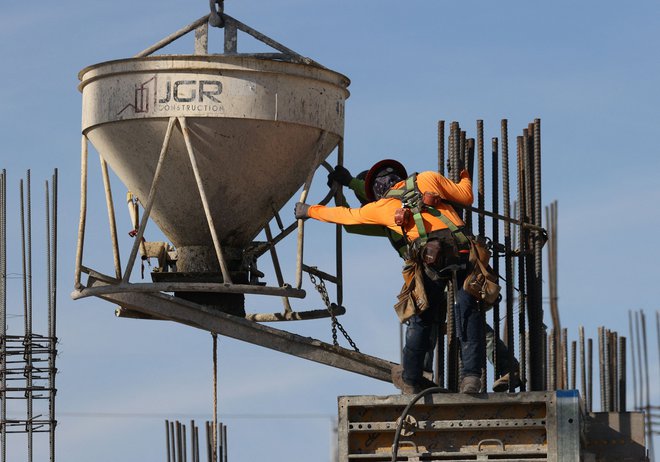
column 413, row 204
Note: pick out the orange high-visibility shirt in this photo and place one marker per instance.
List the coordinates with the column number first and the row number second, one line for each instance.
column 381, row 212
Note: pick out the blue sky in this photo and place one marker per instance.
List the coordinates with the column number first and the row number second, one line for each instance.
column 588, row 70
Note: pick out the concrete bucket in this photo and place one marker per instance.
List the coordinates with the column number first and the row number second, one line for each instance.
column 255, row 128
column 219, row 142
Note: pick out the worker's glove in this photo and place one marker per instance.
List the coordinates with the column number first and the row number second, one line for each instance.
column 341, row 175
column 301, row 210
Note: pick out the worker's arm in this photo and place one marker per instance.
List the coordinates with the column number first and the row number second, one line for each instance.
column 374, row 213
column 460, row 192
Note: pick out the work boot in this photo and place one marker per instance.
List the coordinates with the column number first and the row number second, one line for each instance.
column 502, row 384
column 471, row 384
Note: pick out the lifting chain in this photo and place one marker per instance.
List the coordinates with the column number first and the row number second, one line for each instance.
column 217, row 10
column 320, row 287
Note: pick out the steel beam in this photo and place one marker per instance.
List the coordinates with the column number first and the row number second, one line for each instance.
column 182, row 311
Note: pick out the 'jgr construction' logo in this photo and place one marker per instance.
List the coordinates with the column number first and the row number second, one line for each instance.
column 180, row 95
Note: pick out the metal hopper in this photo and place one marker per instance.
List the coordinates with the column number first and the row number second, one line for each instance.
column 212, row 146
column 255, row 128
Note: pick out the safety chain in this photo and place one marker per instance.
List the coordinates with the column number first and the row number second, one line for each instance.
column 321, row 288
column 217, row 10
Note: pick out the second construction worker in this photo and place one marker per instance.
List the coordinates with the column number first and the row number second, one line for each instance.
column 438, row 252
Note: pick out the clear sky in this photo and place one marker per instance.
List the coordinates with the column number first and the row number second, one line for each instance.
column 588, row 69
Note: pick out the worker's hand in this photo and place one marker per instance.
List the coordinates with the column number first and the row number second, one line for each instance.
column 301, row 210
column 341, row 175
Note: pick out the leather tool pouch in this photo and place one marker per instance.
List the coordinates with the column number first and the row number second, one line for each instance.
column 402, row 217
column 431, row 252
column 481, row 282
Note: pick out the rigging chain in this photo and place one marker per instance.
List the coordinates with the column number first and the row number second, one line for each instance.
column 320, row 287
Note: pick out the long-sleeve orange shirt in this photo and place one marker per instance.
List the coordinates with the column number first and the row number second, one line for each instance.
column 381, row 212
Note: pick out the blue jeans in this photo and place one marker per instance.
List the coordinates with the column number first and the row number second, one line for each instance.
column 469, row 323
column 420, row 335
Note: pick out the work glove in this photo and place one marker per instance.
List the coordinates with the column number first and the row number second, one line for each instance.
column 301, row 211
column 341, row 175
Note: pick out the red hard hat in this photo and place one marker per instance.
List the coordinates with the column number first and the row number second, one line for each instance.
column 382, row 168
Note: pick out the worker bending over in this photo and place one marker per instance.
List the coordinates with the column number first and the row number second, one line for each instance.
column 438, row 251
column 505, row 373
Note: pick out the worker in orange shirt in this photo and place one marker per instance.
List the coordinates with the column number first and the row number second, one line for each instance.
column 356, row 184
column 433, row 230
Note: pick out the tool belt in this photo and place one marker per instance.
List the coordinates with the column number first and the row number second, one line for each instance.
column 440, row 251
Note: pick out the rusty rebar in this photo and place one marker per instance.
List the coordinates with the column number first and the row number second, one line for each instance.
column 481, row 202
column 441, row 147
column 521, row 264
column 573, row 385
column 552, row 361
column 622, row 369
column 495, row 204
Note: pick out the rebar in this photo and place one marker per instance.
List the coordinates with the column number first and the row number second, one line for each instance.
column 647, row 403
column 495, row 204
column 481, row 202
column 573, row 365
column 590, row 374
column 441, row 147
column 552, row 362
column 621, row 377
column 521, row 265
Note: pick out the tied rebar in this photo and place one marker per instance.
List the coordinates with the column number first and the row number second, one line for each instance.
column 28, row 370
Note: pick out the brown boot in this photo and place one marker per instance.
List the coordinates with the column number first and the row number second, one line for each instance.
column 502, row 384
column 471, row 384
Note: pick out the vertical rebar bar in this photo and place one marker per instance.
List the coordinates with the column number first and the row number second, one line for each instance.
column 215, row 394
column 590, row 374
column 481, row 204
column 521, row 264
column 632, row 357
column 452, row 342
column 647, row 402
column 469, row 165
column 441, row 147
column 622, row 375
column 602, row 360
column 508, row 250
column 640, row 380
column 167, row 440
column 583, row 365
column 614, row 371
column 495, row 204
column 552, row 363
column 455, row 134
column 573, row 365
column 564, row 358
